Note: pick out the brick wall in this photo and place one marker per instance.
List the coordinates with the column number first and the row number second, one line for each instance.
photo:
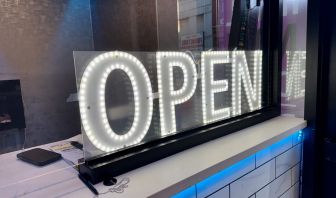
column 272, row 172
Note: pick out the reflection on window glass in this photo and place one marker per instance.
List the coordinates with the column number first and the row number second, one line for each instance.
column 294, row 57
column 220, row 24
column 203, row 59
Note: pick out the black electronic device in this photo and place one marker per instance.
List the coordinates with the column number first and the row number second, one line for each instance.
column 39, row 157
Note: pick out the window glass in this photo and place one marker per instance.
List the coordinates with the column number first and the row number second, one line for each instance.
column 220, row 24
column 294, row 57
column 206, row 67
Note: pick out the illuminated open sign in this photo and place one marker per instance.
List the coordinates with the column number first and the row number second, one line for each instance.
column 93, row 82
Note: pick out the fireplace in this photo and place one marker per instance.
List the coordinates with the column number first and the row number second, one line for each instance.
column 11, row 105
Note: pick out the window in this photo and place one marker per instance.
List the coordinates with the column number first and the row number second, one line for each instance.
column 200, row 70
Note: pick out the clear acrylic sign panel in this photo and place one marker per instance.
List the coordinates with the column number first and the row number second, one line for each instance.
column 130, row 98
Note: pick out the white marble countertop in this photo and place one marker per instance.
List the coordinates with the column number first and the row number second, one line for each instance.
column 159, row 179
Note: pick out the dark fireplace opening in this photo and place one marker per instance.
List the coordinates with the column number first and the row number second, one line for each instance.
column 11, row 105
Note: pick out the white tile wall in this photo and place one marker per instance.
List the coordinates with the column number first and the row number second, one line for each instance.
column 271, row 173
column 293, row 192
column 295, row 174
column 288, row 159
column 272, row 151
column 223, row 193
column 297, row 138
column 225, row 177
column 252, row 182
column 276, row 187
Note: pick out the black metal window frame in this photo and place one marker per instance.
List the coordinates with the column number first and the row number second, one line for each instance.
column 110, row 165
